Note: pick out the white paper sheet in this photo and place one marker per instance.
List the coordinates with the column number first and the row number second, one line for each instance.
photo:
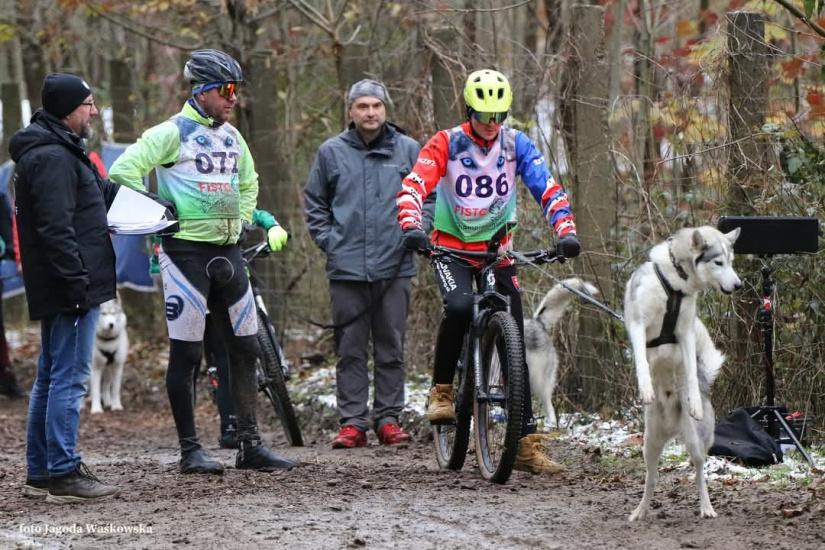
column 133, row 213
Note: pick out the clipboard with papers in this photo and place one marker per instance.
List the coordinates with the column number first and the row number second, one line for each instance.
column 133, row 213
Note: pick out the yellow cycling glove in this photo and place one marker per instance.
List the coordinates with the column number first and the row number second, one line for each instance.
column 277, row 237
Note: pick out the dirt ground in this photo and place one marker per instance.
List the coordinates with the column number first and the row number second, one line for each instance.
column 374, row 497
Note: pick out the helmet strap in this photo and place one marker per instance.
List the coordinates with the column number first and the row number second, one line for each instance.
column 468, row 111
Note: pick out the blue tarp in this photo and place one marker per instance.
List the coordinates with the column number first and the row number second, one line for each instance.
column 12, row 282
column 132, row 251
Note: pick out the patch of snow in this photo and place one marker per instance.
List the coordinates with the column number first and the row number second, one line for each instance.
column 624, row 438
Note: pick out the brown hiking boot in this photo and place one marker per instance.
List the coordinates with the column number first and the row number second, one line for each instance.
column 532, row 458
column 440, row 409
column 79, row 486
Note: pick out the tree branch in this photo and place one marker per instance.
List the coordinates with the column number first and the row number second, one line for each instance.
column 129, row 26
column 313, row 15
column 801, row 16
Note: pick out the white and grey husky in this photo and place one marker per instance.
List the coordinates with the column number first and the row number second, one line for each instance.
column 111, row 349
column 676, row 361
column 542, row 360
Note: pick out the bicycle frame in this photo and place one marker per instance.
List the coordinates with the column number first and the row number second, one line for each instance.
column 249, row 255
column 487, row 300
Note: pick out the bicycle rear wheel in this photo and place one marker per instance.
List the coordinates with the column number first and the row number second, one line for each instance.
column 451, row 440
column 271, row 380
column 498, row 411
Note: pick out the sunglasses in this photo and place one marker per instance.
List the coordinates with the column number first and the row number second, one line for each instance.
column 486, row 118
column 225, row 89
column 228, row 90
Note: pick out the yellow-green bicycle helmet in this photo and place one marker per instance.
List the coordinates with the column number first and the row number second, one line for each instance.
column 487, row 91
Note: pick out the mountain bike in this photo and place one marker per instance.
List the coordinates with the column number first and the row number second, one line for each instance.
column 271, row 367
column 490, row 373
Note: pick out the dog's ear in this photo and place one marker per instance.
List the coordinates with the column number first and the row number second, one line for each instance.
column 733, row 235
column 697, row 241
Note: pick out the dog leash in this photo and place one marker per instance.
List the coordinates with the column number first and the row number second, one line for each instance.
column 581, row 294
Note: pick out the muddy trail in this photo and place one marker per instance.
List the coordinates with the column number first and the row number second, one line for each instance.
column 373, row 497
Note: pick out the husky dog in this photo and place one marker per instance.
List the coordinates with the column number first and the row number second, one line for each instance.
column 676, row 361
column 542, row 361
column 111, row 349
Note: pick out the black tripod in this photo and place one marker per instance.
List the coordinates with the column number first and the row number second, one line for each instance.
column 769, row 414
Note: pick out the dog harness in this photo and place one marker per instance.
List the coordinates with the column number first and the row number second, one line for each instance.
column 674, row 302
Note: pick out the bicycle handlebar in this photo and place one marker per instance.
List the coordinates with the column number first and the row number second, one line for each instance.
column 540, row 256
column 260, row 249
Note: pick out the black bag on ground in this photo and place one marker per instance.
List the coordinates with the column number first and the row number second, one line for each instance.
column 740, row 437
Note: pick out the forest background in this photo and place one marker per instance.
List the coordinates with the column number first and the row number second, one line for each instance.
column 654, row 116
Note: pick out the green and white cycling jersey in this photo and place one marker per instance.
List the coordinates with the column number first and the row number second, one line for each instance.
column 206, row 171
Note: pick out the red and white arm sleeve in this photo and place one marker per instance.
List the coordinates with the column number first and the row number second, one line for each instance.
column 427, row 172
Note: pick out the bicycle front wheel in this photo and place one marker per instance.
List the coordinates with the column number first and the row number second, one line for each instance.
column 498, row 407
column 451, row 440
column 272, row 382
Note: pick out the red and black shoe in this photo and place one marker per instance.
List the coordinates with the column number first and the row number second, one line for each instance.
column 392, row 434
column 349, row 437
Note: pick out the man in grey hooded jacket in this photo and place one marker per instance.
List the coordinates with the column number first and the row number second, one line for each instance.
column 351, row 216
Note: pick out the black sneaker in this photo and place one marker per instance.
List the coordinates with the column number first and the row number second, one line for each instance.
column 79, row 486
column 254, row 455
column 198, row 461
column 36, row 488
column 9, row 387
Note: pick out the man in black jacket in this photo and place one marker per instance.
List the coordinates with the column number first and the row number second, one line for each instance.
column 68, row 271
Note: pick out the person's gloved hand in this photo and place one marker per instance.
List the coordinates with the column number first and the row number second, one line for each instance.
column 277, row 237
column 416, row 240
column 2, row 247
column 569, row 246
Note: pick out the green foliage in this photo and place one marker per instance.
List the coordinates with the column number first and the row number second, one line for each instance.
column 811, row 7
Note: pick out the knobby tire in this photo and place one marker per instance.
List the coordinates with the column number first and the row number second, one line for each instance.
column 275, row 387
column 452, row 440
column 501, row 352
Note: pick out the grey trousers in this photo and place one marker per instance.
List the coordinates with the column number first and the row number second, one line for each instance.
column 385, row 323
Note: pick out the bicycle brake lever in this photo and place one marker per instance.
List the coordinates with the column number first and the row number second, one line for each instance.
column 520, row 257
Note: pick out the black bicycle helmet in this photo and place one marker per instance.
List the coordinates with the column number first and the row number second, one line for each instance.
column 205, row 66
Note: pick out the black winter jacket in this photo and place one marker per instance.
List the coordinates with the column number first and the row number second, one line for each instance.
column 61, row 201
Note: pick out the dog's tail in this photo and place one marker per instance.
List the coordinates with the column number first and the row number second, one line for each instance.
column 710, row 361
column 552, row 306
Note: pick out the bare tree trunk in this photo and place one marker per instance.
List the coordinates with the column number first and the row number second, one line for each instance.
column 12, row 115
column 448, row 102
column 644, row 157
column 123, row 108
column 592, row 189
column 748, row 104
column 9, row 86
column 33, row 56
column 749, row 77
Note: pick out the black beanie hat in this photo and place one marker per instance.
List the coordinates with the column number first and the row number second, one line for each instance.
column 62, row 93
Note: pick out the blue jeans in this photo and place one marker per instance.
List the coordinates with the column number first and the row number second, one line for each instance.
column 54, row 406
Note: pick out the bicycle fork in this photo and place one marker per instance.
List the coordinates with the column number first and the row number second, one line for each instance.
column 481, row 315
